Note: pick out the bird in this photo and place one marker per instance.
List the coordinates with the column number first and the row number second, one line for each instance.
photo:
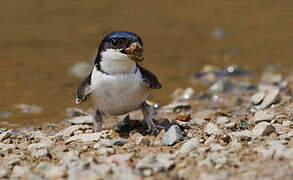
column 117, row 84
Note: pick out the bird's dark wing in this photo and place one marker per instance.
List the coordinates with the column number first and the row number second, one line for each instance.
column 149, row 78
column 83, row 90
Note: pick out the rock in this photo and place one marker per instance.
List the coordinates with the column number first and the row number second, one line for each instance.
column 174, row 107
column 20, row 171
column 257, row 98
column 263, row 129
column 183, row 116
column 38, row 150
column 119, row 141
column 188, row 146
column 263, row 115
column 75, row 112
column 196, row 122
column 221, row 86
column 271, row 97
column 5, row 135
column 213, row 129
column 143, row 141
column 217, row 147
column 106, row 150
column 12, row 160
column 6, row 147
column 29, row 108
column 235, row 146
column 230, row 125
column 244, row 135
column 222, row 120
column 93, row 137
column 172, row 136
column 81, row 120
column 205, row 115
column 55, row 172
column 120, row 159
column 103, row 143
column 69, row 157
column 280, row 129
column 157, row 163
column 3, row 173
column 67, row 132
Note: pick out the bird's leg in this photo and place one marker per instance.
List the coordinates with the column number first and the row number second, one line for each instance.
column 148, row 113
column 97, row 120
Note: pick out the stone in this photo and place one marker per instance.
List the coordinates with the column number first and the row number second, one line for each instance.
column 221, row 86
column 106, row 150
column 188, row 146
column 257, row 98
column 280, row 129
column 196, row 122
column 213, row 129
column 20, row 171
column 5, row 135
column 6, row 147
column 263, row 129
column 263, row 115
column 120, row 158
column 244, row 135
column 104, row 143
column 81, row 120
column 230, row 125
column 157, row 163
column 93, row 137
column 67, row 132
column 3, row 173
column 38, row 150
column 55, row 172
column 173, row 107
column 119, row 141
column 271, row 97
column 172, row 136
column 222, row 120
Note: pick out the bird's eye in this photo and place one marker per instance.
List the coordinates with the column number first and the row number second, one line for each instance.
column 114, row 42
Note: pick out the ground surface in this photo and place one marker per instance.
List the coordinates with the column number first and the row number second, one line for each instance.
column 239, row 128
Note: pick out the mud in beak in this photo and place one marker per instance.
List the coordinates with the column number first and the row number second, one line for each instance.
column 134, row 52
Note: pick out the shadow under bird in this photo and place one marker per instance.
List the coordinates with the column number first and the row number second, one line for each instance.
column 117, row 84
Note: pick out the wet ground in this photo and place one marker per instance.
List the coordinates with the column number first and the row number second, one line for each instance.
column 40, row 41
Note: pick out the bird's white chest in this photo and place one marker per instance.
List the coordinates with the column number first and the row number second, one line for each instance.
column 118, row 94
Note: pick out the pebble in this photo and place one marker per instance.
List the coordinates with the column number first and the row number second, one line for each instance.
column 257, row 98
column 263, row 115
column 119, row 141
column 271, row 97
column 188, row 146
column 244, row 135
column 222, row 120
column 106, row 150
column 213, row 129
column 93, row 137
column 196, row 122
column 75, row 112
column 6, row 147
column 81, row 120
column 172, row 136
column 67, row 132
column 221, row 86
column 20, row 171
column 280, row 129
column 5, row 135
column 230, row 125
column 120, row 158
column 157, row 163
column 55, row 172
column 263, row 129
column 38, row 150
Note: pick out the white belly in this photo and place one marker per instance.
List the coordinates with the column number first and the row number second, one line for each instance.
column 117, row 94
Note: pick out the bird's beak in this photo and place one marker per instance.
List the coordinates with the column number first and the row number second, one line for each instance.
column 134, row 52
